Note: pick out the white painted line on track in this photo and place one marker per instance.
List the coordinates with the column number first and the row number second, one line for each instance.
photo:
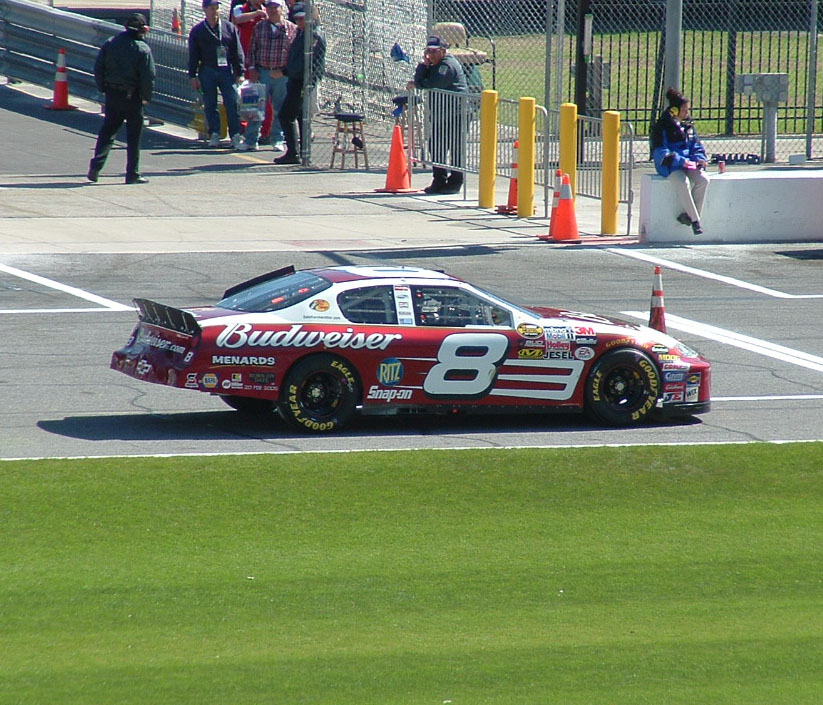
column 575, row 446
column 762, row 347
column 776, row 397
column 711, row 275
column 107, row 304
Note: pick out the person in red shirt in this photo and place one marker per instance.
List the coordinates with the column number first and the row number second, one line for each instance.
column 245, row 16
column 266, row 61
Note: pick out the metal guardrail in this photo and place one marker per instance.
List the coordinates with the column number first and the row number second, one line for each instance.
column 31, row 36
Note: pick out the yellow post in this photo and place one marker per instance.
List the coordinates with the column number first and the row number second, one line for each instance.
column 610, row 187
column 488, row 148
column 568, row 143
column 525, row 155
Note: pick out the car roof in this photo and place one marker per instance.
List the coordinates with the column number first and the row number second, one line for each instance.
column 364, row 273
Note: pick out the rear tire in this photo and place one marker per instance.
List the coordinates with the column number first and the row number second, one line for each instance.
column 248, row 405
column 622, row 388
column 320, row 394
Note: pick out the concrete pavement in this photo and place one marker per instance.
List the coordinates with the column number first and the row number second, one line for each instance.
column 197, row 200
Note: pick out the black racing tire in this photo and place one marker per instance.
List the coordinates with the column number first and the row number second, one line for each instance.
column 320, row 394
column 622, row 388
column 249, row 405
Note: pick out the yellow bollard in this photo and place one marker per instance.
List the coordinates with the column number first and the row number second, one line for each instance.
column 610, row 186
column 525, row 169
column 488, row 148
column 568, row 143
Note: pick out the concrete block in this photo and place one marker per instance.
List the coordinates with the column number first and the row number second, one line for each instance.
column 751, row 206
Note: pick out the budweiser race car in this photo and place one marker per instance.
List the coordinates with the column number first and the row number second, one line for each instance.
column 319, row 345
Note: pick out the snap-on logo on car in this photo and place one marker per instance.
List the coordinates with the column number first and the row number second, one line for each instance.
column 388, row 395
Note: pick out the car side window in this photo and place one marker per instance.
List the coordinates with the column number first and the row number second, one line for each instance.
column 455, row 308
column 369, row 304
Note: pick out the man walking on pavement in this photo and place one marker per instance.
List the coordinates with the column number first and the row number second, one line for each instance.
column 216, row 62
column 268, row 54
column 124, row 71
column 291, row 113
column 442, row 71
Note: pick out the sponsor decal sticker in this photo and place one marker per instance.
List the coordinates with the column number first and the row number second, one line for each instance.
column 388, row 395
column 559, row 333
column 672, row 397
column 674, row 376
column 660, row 349
column 191, row 380
column 529, row 330
column 155, row 341
column 240, row 335
column 250, row 360
column 390, row 371
column 320, row 305
column 143, row 368
column 619, row 341
column 584, row 353
column 209, row 380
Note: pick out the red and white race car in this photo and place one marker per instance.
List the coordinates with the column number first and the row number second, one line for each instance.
column 319, row 345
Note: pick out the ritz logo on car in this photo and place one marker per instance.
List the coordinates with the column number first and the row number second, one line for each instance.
column 390, row 371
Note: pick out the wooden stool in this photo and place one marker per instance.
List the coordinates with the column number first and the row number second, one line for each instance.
column 349, row 139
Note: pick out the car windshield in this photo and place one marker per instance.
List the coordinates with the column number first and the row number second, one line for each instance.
column 276, row 294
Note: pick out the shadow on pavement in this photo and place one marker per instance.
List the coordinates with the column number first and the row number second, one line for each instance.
column 234, row 425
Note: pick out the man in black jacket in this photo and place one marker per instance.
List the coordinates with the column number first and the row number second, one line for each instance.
column 442, row 71
column 291, row 113
column 124, row 72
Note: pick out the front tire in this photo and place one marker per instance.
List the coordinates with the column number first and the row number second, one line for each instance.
column 320, row 394
column 622, row 388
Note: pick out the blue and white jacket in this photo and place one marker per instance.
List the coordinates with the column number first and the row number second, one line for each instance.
column 673, row 142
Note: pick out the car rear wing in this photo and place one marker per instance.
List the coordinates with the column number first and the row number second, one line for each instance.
column 167, row 317
column 276, row 274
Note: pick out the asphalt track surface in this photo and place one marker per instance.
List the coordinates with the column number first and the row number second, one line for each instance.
column 754, row 311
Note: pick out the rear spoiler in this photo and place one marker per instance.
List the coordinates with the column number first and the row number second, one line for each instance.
column 167, row 317
column 276, row 274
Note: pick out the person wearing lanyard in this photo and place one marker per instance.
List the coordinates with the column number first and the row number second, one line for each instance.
column 268, row 52
column 216, row 61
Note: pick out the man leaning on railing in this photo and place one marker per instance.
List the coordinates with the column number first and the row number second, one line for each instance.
column 440, row 70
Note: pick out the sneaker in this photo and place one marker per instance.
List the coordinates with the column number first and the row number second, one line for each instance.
column 287, row 159
column 92, row 175
column 696, row 229
column 136, row 179
column 214, row 140
column 684, row 219
column 280, row 146
column 236, row 141
column 451, row 187
column 246, row 147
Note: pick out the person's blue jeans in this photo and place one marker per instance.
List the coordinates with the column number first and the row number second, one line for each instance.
column 276, row 92
column 210, row 81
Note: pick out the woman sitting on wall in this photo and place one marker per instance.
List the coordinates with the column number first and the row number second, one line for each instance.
column 679, row 156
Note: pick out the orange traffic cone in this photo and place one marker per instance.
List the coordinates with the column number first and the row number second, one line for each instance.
column 398, row 179
column 566, row 228
column 657, row 310
column 511, row 205
column 558, row 183
column 176, row 25
column 60, row 101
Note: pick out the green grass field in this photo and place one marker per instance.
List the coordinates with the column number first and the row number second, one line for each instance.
column 642, row 575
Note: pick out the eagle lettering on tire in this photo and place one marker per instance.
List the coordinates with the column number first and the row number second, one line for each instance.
column 622, row 388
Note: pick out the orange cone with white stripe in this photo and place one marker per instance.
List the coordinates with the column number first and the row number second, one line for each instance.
column 60, row 101
column 657, row 310
column 558, row 182
column 566, row 228
column 511, row 205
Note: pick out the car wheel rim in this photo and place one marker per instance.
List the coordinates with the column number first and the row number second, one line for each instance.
column 624, row 389
column 321, row 395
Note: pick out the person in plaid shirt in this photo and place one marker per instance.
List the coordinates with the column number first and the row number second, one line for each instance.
column 268, row 52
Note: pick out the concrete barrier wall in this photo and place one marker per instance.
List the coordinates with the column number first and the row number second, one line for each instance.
column 768, row 205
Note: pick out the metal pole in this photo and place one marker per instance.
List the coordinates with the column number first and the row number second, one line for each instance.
column 549, row 23
column 674, row 43
column 308, row 91
column 560, row 52
column 811, row 89
column 581, row 78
